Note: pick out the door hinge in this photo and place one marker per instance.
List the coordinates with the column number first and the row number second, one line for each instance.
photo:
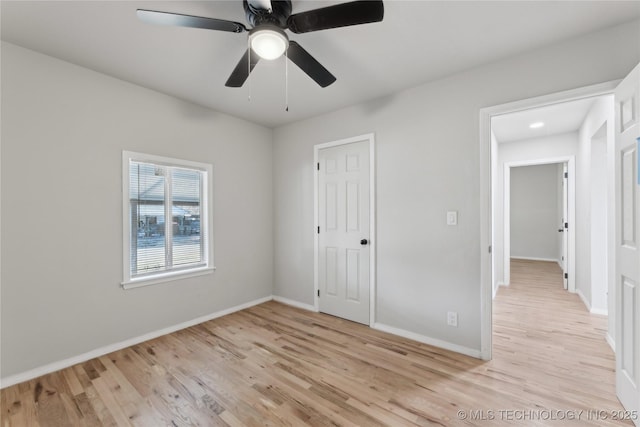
column 566, row 174
column 489, row 248
column 318, row 229
column 318, row 166
column 318, row 292
column 566, row 275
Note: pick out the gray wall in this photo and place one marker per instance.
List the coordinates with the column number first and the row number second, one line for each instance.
column 535, row 214
column 428, row 162
column 63, row 132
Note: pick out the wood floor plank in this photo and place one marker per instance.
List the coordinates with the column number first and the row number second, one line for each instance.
column 110, row 403
column 275, row 365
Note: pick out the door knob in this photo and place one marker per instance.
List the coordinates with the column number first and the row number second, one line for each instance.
column 364, row 241
column 561, row 230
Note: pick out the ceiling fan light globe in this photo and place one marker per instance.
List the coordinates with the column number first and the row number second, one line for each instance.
column 269, row 43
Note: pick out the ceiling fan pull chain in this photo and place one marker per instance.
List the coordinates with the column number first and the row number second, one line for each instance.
column 286, row 80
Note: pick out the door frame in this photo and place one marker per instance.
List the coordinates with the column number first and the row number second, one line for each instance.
column 486, row 261
column 372, row 219
column 571, row 250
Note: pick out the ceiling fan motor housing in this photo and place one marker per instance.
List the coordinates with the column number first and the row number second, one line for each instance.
column 278, row 15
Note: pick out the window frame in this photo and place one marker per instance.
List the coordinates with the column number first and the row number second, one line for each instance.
column 206, row 227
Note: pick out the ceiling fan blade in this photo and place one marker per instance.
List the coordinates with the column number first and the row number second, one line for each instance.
column 309, row 64
column 168, row 18
column 241, row 72
column 340, row 15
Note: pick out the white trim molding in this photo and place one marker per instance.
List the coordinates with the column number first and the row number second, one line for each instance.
column 167, row 277
column 486, row 281
column 372, row 219
column 428, row 340
column 395, row 331
column 98, row 352
column 584, row 299
column 293, row 303
column 532, row 258
column 590, row 309
column 610, row 341
column 571, row 238
column 80, row 358
column 206, row 265
column 496, row 287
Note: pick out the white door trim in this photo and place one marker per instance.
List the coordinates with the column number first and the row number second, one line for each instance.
column 485, row 190
column 372, row 219
column 571, row 163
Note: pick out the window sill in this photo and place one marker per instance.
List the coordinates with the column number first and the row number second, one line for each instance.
column 166, row 277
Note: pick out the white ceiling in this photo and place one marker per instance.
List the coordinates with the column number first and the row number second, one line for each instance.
column 557, row 118
column 418, row 41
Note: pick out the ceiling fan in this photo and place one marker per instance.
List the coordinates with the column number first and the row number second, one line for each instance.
column 267, row 38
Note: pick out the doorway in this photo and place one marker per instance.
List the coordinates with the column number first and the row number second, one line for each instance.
column 489, row 170
column 344, row 268
column 623, row 121
column 553, row 237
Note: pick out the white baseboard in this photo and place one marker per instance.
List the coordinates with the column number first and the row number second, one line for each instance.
column 496, row 287
column 395, row 331
column 62, row 364
column 584, row 300
column 293, row 303
column 610, row 341
column 428, row 340
column 598, row 311
column 527, row 258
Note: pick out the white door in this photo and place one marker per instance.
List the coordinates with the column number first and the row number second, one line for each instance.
column 564, row 224
column 627, row 105
column 344, row 231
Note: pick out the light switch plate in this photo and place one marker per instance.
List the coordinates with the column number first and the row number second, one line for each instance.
column 452, row 218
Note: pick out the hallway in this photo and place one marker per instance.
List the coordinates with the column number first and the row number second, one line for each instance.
column 559, row 348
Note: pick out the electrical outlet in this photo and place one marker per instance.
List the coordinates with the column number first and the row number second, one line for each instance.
column 452, row 318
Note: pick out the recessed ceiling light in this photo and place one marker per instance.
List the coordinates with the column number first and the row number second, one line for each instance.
column 536, row 125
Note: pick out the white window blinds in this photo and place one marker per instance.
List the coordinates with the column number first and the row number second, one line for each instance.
column 166, row 216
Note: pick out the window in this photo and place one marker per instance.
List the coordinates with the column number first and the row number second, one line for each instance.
column 166, row 217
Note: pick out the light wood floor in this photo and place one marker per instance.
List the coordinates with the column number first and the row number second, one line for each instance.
column 275, row 365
